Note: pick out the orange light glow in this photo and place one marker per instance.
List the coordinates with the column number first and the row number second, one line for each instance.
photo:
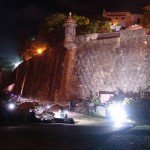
column 39, row 50
column 115, row 22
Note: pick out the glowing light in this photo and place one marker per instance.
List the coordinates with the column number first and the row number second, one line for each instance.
column 117, row 113
column 47, row 106
column 66, row 112
column 39, row 51
column 17, row 64
column 11, row 106
column 61, row 114
column 145, row 42
column 115, row 22
column 57, row 114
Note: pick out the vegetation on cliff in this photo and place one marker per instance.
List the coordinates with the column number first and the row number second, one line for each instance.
column 30, row 47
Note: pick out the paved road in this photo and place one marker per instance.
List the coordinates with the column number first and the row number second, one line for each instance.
column 52, row 137
column 82, row 119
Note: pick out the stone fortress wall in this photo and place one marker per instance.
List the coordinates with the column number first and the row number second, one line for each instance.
column 108, row 61
column 94, row 62
column 44, row 76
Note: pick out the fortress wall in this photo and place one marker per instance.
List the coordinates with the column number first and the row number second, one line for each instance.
column 101, row 62
column 95, row 65
column 43, row 76
column 106, row 64
column 134, row 61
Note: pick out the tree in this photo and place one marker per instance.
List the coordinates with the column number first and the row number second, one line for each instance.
column 82, row 24
column 31, row 47
column 93, row 27
column 51, row 33
column 52, row 29
column 99, row 27
column 24, row 47
column 105, row 26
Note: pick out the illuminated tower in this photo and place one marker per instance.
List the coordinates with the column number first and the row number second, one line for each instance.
column 70, row 33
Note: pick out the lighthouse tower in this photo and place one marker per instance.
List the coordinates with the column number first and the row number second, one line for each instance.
column 70, row 33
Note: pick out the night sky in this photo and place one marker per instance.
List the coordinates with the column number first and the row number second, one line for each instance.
column 23, row 16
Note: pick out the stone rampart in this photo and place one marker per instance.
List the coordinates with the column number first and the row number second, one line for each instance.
column 105, row 62
column 44, row 76
column 101, row 62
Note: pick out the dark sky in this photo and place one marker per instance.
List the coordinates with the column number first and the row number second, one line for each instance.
column 23, row 16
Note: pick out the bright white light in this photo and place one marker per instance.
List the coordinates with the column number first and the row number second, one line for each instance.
column 58, row 114
column 47, row 106
column 11, row 106
column 61, row 114
column 145, row 42
column 66, row 112
column 17, row 64
column 117, row 113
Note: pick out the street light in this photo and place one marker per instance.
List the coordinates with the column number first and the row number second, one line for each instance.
column 39, row 51
column 117, row 113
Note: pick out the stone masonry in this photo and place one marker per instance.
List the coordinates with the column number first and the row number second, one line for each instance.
column 112, row 61
column 94, row 62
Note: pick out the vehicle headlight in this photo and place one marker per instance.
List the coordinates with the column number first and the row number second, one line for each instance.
column 66, row 112
column 11, row 106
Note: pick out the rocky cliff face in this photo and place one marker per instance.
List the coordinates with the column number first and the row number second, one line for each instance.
column 44, row 76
